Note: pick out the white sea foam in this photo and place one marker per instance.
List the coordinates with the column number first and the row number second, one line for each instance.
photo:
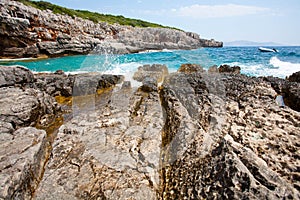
column 17, row 59
column 275, row 68
column 123, row 68
column 283, row 68
column 154, row 51
column 67, row 72
column 127, row 70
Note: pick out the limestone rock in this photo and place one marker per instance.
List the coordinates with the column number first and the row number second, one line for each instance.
column 224, row 138
column 25, row 107
column 155, row 71
column 29, row 32
column 110, row 152
column 149, row 84
column 22, row 159
column 193, row 35
column 213, row 69
column 157, row 39
column 195, row 136
column 10, row 76
column 55, row 84
column 89, row 83
column 210, row 43
column 21, row 104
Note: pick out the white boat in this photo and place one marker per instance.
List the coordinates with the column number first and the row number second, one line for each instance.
column 263, row 49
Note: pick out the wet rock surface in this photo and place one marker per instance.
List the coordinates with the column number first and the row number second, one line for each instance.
column 184, row 135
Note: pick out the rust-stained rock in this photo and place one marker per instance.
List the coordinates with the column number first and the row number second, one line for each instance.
column 196, row 136
column 29, row 32
column 190, row 68
column 111, row 152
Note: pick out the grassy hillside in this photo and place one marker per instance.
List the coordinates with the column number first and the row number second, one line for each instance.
column 93, row 16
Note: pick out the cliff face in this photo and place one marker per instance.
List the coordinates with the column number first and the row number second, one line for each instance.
column 196, row 136
column 29, row 32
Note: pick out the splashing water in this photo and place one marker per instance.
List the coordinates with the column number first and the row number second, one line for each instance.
column 251, row 61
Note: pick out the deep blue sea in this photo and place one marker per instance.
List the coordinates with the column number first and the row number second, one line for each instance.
column 250, row 59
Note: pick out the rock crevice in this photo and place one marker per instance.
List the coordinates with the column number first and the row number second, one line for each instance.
column 185, row 135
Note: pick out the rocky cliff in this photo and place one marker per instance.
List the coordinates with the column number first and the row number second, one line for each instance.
column 29, row 32
column 186, row 135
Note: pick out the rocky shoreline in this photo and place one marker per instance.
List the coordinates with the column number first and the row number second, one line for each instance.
column 191, row 134
column 29, row 32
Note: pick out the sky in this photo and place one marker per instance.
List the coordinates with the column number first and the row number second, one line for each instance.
column 223, row 20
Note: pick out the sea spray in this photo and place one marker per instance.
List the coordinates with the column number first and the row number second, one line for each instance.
column 250, row 59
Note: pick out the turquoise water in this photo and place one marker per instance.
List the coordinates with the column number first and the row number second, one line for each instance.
column 250, row 59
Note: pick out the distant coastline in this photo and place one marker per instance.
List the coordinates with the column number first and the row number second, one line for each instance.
column 246, row 43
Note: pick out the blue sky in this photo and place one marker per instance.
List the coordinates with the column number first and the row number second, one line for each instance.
column 224, row 20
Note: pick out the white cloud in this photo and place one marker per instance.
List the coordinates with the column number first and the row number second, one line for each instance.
column 218, row 11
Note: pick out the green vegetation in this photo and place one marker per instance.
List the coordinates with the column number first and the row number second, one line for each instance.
column 93, row 16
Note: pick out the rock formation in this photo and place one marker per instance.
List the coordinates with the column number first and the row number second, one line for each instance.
column 29, row 32
column 295, row 77
column 225, row 138
column 185, row 135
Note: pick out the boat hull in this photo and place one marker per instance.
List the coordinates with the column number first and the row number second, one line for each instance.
column 262, row 49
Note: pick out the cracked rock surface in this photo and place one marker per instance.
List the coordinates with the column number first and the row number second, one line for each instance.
column 184, row 135
column 226, row 138
column 110, row 152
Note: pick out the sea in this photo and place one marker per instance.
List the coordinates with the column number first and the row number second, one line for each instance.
column 252, row 62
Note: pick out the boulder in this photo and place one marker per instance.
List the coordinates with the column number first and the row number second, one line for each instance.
column 149, row 84
column 10, row 76
column 213, row 69
column 27, row 107
column 21, row 104
column 89, row 83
